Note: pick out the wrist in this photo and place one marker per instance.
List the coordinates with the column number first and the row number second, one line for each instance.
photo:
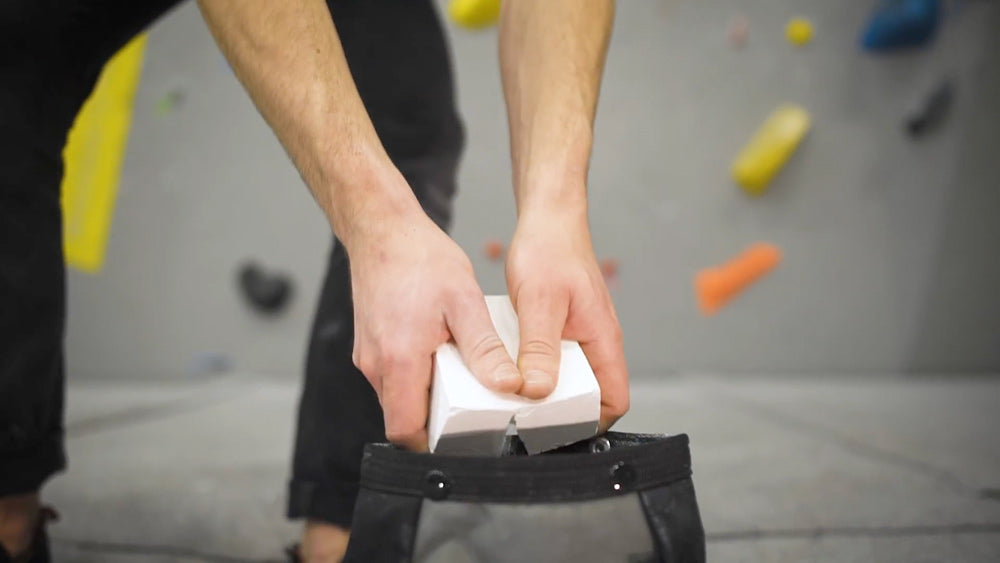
column 552, row 196
column 370, row 205
column 551, row 182
column 552, row 225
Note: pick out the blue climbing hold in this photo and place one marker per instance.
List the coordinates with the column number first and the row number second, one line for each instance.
column 901, row 23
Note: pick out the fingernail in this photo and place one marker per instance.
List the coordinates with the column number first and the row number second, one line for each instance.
column 537, row 384
column 506, row 375
column 537, row 376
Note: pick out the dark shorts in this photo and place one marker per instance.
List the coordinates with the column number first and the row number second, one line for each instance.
column 51, row 53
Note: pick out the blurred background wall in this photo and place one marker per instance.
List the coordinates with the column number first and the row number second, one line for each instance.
column 891, row 247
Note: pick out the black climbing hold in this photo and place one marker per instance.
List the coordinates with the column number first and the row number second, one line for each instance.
column 266, row 292
column 933, row 110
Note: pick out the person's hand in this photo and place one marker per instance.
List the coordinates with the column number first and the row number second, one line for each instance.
column 414, row 289
column 559, row 293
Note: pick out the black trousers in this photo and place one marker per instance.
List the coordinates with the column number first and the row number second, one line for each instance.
column 51, row 53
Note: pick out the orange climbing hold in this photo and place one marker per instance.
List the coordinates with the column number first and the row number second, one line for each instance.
column 714, row 287
column 609, row 268
column 493, row 249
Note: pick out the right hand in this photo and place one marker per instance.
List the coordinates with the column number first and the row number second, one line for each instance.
column 414, row 289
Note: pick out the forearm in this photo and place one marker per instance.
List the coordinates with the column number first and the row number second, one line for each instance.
column 551, row 59
column 289, row 58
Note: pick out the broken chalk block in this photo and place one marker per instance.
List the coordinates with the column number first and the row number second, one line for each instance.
column 714, row 287
column 773, row 144
column 466, row 418
column 897, row 24
column 474, row 14
column 798, row 31
column 932, row 111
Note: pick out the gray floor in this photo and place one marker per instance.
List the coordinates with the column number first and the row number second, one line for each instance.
column 787, row 469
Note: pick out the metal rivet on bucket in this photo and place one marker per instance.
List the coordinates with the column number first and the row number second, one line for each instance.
column 437, row 485
column 622, row 476
column 599, row 445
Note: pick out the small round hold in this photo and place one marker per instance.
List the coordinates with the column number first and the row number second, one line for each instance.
column 437, row 485
column 474, row 14
column 622, row 477
column 799, row 31
column 266, row 292
column 609, row 268
column 493, row 249
column 210, row 362
column 739, row 30
column 599, row 445
column 169, row 102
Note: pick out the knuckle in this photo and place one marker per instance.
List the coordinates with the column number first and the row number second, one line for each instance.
column 373, row 379
column 399, row 432
column 533, row 293
column 488, row 345
column 468, row 295
column 461, row 263
column 395, row 436
column 396, row 361
column 395, row 352
column 467, row 265
column 537, row 347
column 617, row 336
column 619, row 407
column 405, row 339
column 365, row 363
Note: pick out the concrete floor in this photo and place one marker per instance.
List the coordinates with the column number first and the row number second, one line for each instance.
column 787, row 469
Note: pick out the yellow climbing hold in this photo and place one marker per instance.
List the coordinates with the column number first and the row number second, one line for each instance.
column 773, row 144
column 474, row 14
column 94, row 154
column 799, row 31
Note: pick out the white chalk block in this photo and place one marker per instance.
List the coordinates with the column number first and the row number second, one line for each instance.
column 466, row 418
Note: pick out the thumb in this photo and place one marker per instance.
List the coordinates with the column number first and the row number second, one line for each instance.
column 541, row 318
column 480, row 346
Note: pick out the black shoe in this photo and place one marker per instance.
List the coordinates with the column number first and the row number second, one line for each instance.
column 39, row 550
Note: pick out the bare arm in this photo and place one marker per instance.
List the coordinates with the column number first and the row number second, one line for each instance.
column 289, row 58
column 551, row 58
column 413, row 287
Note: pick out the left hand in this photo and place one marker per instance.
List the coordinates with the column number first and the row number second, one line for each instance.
column 559, row 293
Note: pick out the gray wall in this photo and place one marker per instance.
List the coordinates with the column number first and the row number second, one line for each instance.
column 889, row 245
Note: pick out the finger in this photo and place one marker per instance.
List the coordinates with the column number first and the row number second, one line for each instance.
column 480, row 346
column 541, row 318
column 405, row 397
column 606, row 356
column 366, row 368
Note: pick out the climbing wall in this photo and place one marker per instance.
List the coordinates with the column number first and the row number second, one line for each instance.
column 887, row 244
